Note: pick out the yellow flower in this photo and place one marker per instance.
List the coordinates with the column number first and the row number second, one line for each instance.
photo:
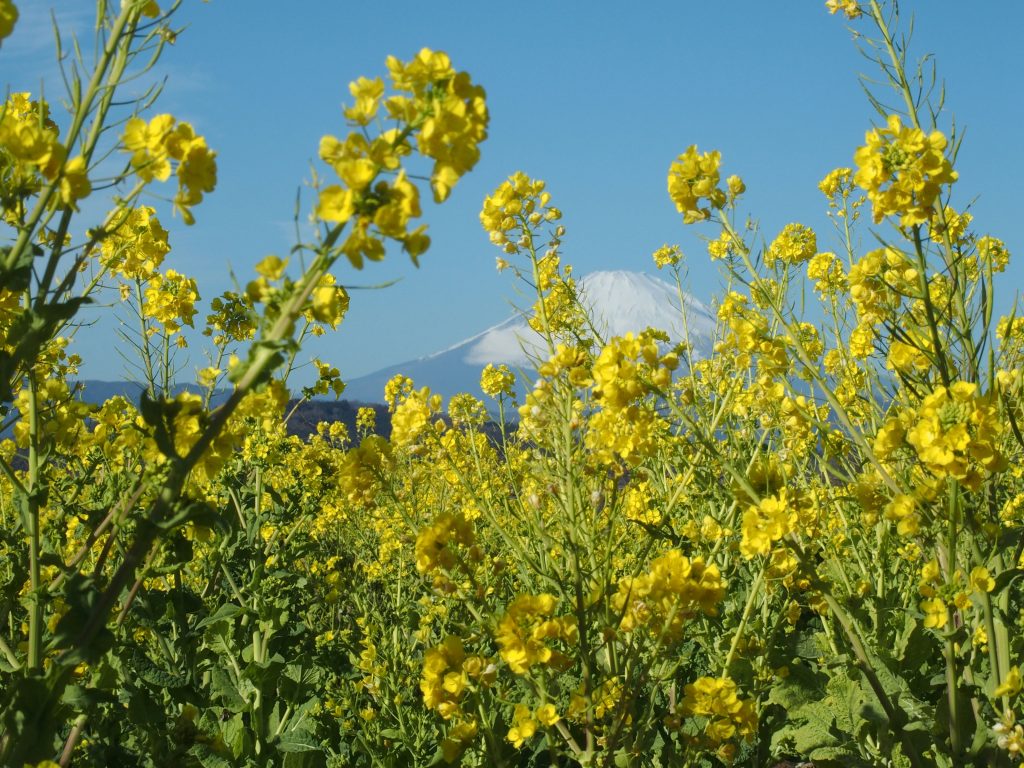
column 412, row 415
column 525, row 629
column 443, row 679
column 547, row 714
column 765, row 524
column 902, row 170
column 993, row 252
column 436, row 544
column 979, row 637
column 956, row 433
column 197, row 175
column 736, row 186
column 694, row 178
column 827, row 270
column 497, row 381
column 335, row 204
column 155, row 144
column 1011, row 684
column 146, row 142
column 667, row 256
column 717, row 700
column 170, row 300
column 329, row 302
column 836, row 182
column 980, row 580
column 935, row 613
column 74, row 183
column 849, row 7
column 903, row 509
column 459, row 736
column 665, row 598
column 794, row 245
column 367, row 94
column 138, row 245
column 525, row 726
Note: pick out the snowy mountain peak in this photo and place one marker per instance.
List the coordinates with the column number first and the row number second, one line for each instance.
column 622, row 302
column 618, row 301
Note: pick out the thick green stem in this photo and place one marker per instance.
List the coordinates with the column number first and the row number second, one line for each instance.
column 35, row 620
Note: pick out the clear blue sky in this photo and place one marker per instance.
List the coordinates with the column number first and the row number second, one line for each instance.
column 594, row 97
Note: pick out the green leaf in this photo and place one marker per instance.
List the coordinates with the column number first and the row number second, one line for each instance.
column 226, row 612
column 208, row 758
column 223, row 689
column 235, row 733
column 816, row 731
column 847, row 699
column 298, row 741
column 800, row 687
column 80, row 698
column 156, row 676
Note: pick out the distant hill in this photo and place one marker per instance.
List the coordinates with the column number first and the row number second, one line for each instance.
column 97, row 391
column 302, row 423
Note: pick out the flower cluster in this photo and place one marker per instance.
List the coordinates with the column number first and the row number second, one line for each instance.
column 443, row 678
column 766, row 523
column 992, row 253
column 717, row 699
column 827, row 272
column 526, row 628
column 956, row 434
column 694, row 178
column 171, row 301
column 362, row 469
column 137, row 246
column 231, row 319
column 437, row 542
column 454, row 112
column 667, row 596
column 627, row 369
column 526, row 722
column 442, row 111
column 64, row 415
column 328, row 304
column 162, row 142
column 850, row 7
column 411, row 416
column 902, row 169
column 514, row 209
column 667, row 256
column 794, row 245
column 497, row 381
column 879, row 282
column 29, row 147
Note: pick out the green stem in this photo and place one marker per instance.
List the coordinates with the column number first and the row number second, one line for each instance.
column 754, row 588
column 120, row 32
column 35, row 626
column 895, row 716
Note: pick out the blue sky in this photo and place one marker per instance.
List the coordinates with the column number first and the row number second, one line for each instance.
column 596, row 98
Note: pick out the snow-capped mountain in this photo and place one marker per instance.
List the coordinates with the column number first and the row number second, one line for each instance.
column 619, row 302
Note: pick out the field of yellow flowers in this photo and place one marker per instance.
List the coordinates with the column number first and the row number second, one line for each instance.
column 805, row 547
